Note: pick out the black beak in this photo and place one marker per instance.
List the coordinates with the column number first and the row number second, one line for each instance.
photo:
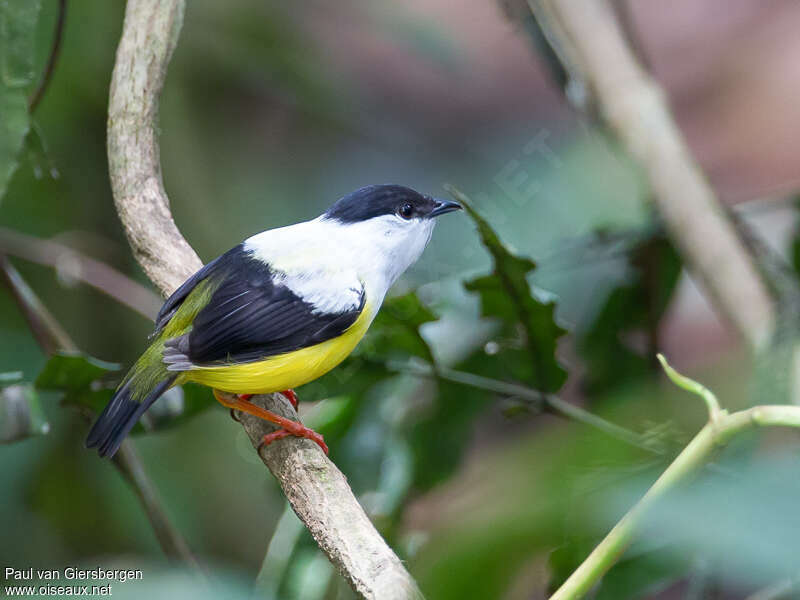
column 441, row 207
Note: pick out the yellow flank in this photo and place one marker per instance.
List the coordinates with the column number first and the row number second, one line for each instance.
column 283, row 371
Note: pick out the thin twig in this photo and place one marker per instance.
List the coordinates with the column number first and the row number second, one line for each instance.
column 693, row 387
column 46, row 330
column 77, row 265
column 549, row 402
column 52, row 338
column 51, row 59
column 314, row 487
column 129, row 463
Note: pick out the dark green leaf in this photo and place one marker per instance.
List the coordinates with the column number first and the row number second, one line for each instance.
column 507, row 295
column 72, row 372
column 18, row 20
column 83, row 381
column 634, row 308
column 397, row 327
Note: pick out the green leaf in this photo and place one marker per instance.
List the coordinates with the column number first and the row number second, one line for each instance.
column 72, row 372
column 397, row 327
column 21, row 414
column 18, row 19
column 633, row 308
column 527, row 320
column 83, row 380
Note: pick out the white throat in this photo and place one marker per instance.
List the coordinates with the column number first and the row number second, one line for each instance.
column 376, row 251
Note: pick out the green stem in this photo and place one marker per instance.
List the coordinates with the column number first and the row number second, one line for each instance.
column 697, row 453
column 550, row 402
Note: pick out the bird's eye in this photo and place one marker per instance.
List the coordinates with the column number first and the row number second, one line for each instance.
column 406, row 211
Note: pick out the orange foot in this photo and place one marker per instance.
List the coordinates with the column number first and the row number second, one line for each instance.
column 287, row 426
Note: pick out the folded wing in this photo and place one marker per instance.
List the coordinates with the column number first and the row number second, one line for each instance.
column 255, row 311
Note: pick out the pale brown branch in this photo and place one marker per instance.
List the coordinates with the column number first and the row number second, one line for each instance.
column 315, row 488
column 588, row 38
column 76, row 265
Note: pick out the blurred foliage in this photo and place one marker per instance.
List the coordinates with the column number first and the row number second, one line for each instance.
column 634, row 308
column 83, row 382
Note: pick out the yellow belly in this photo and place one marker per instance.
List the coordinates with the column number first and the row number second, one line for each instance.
column 283, row 371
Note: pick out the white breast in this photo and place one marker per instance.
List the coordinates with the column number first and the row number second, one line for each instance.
column 327, row 263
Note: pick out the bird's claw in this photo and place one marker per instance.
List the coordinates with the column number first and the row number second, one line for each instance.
column 300, row 431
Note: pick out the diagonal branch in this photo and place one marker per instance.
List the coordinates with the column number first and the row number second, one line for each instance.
column 315, row 488
column 590, row 43
column 76, row 265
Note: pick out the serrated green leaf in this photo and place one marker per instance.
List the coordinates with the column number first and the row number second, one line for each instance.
column 72, row 372
column 507, row 295
column 21, row 414
column 18, row 19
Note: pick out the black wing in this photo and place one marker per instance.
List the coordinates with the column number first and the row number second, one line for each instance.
column 178, row 296
column 252, row 314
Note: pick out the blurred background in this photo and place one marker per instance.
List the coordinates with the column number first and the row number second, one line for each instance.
column 272, row 111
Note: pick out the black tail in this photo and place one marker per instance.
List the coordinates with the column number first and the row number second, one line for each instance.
column 120, row 415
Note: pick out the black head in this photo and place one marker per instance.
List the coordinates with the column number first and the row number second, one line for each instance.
column 387, row 199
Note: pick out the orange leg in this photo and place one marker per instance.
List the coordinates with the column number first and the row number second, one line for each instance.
column 287, row 426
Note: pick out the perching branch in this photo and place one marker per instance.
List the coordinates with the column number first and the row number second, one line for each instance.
column 588, row 40
column 719, row 430
column 52, row 338
column 316, row 489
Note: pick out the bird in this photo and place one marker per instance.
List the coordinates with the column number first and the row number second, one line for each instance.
column 278, row 310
